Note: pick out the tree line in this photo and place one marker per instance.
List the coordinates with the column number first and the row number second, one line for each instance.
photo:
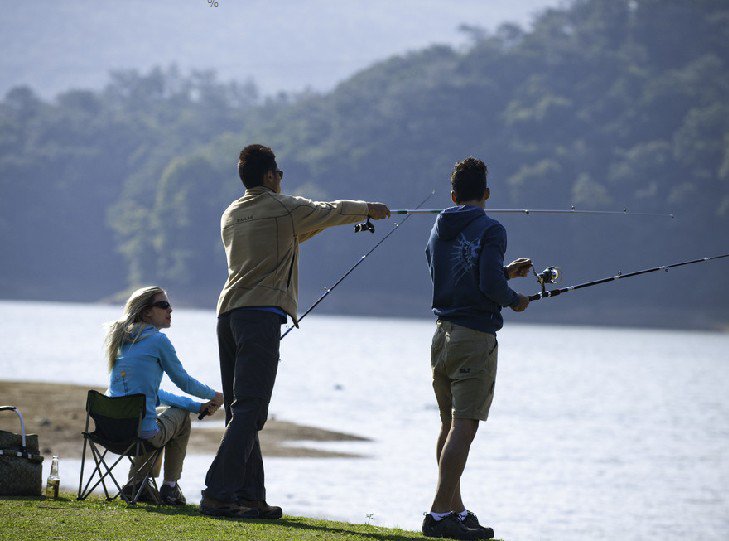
column 600, row 104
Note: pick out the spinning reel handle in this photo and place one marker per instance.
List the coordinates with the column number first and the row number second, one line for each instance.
column 365, row 226
column 550, row 275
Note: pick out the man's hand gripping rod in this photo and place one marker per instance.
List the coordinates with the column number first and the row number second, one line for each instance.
column 366, row 226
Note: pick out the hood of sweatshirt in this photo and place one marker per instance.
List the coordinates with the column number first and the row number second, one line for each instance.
column 453, row 220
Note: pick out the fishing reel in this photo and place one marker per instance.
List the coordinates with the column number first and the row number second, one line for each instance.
column 550, row 275
column 365, row 226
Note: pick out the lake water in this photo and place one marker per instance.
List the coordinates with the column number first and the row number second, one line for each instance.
column 594, row 434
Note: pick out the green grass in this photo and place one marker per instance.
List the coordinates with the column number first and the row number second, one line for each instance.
column 97, row 519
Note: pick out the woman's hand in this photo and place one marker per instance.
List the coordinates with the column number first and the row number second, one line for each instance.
column 208, row 408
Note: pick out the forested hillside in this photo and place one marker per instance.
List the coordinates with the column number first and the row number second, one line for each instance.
column 605, row 104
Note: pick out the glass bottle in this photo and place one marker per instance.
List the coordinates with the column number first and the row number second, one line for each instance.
column 54, row 481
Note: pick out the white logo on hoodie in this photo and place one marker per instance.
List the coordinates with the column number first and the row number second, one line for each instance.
column 464, row 256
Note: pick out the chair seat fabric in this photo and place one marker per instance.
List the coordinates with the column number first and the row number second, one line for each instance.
column 120, row 447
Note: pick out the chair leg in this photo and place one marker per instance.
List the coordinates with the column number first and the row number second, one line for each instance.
column 99, row 461
column 111, row 476
column 149, row 466
column 101, row 477
column 137, row 493
column 153, row 460
column 97, row 468
column 83, row 462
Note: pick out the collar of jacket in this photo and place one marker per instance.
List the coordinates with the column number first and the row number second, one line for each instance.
column 257, row 190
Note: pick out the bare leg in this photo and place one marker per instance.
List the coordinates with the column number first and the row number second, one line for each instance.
column 456, row 501
column 453, row 447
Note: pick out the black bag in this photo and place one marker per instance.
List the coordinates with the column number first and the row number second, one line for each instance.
column 20, row 462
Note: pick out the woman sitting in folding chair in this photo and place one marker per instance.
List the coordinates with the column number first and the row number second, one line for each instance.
column 138, row 355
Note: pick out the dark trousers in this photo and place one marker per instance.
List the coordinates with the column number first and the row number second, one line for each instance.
column 248, row 343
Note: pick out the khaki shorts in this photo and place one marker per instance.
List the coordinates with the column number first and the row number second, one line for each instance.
column 463, row 362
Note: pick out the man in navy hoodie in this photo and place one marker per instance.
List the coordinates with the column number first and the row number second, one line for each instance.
column 466, row 259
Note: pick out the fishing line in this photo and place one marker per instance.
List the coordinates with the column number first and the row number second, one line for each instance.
column 552, row 274
column 366, row 226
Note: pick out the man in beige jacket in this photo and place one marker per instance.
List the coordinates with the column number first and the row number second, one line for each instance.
column 261, row 233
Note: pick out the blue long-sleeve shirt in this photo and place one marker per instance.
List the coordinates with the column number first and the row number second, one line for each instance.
column 139, row 369
column 465, row 254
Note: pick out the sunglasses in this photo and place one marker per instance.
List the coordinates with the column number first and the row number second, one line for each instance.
column 279, row 173
column 162, row 304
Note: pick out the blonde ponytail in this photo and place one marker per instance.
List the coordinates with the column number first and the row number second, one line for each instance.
column 129, row 327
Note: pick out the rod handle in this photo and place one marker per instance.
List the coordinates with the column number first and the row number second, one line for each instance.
column 545, row 294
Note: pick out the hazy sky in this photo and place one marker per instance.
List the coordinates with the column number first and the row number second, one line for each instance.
column 54, row 45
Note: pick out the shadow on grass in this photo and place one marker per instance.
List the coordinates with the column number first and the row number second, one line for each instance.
column 193, row 511
column 293, row 524
column 372, row 535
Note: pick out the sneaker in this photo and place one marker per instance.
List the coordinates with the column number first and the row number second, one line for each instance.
column 265, row 511
column 148, row 494
column 172, row 495
column 217, row 508
column 449, row 527
column 471, row 521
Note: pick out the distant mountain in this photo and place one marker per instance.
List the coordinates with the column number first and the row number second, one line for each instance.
column 281, row 46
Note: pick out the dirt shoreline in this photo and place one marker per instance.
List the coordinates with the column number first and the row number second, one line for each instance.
column 55, row 412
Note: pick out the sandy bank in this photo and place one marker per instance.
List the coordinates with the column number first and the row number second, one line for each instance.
column 56, row 413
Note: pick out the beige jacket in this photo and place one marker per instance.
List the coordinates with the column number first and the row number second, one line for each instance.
column 261, row 233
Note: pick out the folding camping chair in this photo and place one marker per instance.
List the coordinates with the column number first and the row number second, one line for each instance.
column 117, row 427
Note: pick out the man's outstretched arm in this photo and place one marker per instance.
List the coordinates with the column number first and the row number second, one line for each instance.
column 312, row 217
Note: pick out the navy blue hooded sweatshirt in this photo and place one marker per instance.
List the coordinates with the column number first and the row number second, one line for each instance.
column 466, row 259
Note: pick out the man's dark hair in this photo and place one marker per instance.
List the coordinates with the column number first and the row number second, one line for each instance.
column 254, row 162
column 468, row 179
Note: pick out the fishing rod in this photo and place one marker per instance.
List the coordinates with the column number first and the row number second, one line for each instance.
column 571, row 210
column 366, row 226
column 551, row 275
column 369, row 226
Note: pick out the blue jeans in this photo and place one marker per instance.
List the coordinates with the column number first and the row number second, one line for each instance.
column 248, row 343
